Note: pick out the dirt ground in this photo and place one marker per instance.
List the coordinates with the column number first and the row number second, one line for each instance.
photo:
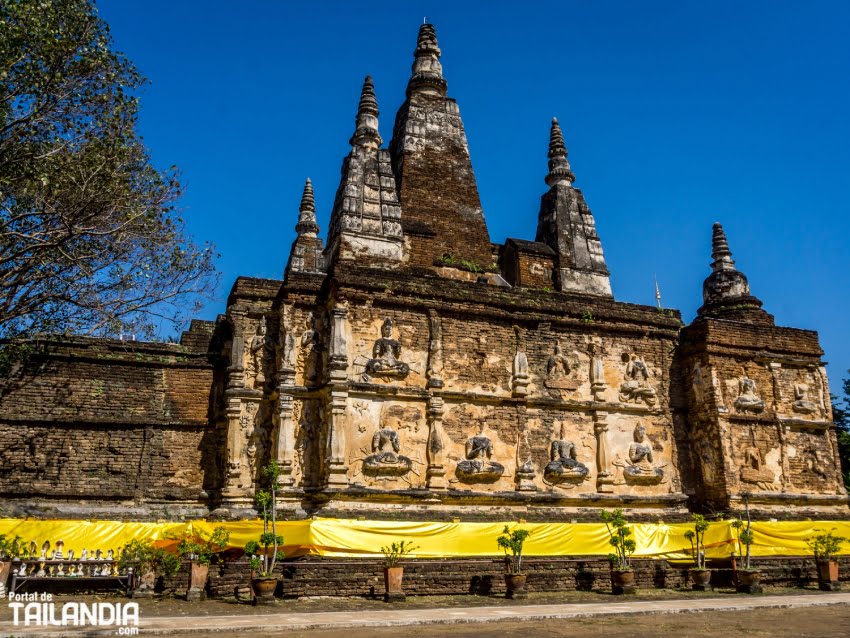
column 822, row 622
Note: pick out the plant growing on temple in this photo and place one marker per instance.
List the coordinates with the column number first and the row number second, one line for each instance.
column 203, row 551
column 394, row 553
column 263, row 562
column 512, row 540
column 620, row 539
column 90, row 239
column 697, row 538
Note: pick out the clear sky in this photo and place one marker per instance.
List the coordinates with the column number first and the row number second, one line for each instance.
column 676, row 115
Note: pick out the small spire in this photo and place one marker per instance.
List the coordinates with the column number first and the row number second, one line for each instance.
column 427, row 74
column 559, row 167
column 657, row 294
column 720, row 252
column 366, row 133
column 307, row 224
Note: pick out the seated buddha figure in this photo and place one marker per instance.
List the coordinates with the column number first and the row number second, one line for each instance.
column 385, row 459
column 477, row 466
column 385, row 355
column 563, row 464
column 640, row 468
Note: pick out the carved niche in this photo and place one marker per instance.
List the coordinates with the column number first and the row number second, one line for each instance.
column 309, row 352
column 635, row 387
column 802, row 401
column 753, row 470
column 559, row 367
column 259, row 351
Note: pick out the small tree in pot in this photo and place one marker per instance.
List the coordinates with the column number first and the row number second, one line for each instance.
column 149, row 563
column 622, row 576
column 749, row 579
column 263, row 561
column 700, row 575
column 394, row 553
column 512, row 541
column 825, row 546
column 9, row 550
column 201, row 552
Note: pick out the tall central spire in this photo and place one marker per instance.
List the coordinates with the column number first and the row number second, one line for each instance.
column 436, row 183
column 427, row 71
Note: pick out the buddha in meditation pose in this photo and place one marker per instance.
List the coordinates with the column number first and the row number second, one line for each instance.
column 477, row 467
column 563, row 464
column 385, row 355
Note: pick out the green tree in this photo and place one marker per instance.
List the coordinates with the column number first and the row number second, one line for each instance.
column 841, row 416
column 90, row 240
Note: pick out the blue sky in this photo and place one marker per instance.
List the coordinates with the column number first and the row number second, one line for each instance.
column 676, row 115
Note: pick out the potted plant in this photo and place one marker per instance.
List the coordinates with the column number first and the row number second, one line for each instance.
column 825, row 546
column 622, row 576
column 149, row 563
column 201, row 552
column 512, row 541
column 700, row 575
column 9, row 550
column 749, row 579
column 263, row 561
column 394, row 553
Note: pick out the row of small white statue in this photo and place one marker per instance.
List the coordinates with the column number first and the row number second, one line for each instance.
column 58, row 571
column 59, row 553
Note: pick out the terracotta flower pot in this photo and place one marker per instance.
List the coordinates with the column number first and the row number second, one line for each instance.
column 198, row 582
column 515, row 586
column 828, row 574
column 700, row 579
column 392, row 584
column 5, row 568
column 264, row 587
column 623, row 581
column 749, row 581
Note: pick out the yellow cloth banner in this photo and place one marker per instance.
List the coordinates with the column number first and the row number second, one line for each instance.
column 354, row 538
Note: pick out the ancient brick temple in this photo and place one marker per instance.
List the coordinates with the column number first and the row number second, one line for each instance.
column 408, row 367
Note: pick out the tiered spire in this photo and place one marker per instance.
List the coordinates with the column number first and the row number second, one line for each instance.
column 566, row 225
column 366, row 132
column 720, row 252
column 427, row 71
column 559, row 167
column 307, row 224
column 726, row 291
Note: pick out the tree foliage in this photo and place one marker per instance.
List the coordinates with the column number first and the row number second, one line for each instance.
column 90, row 240
column 841, row 417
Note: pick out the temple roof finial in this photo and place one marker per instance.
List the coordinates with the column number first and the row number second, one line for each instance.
column 427, row 74
column 559, row 167
column 366, row 133
column 307, row 224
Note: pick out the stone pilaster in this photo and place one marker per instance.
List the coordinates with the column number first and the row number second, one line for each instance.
column 436, row 473
column 336, row 465
column 604, row 475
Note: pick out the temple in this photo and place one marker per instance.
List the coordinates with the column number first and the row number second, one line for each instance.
column 407, row 367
